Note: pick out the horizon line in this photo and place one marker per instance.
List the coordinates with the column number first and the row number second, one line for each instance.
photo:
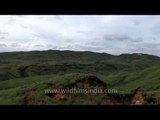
column 139, row 53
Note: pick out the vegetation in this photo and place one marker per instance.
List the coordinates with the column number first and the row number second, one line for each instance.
column 24, row 76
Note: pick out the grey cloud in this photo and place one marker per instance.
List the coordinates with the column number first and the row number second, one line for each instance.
column 3, row 45
column 15, row 45
column 2, row 37
column 95, row 48
column 3, row 33
column 49, row 46
column 24, row 26
column 51, row 18
column 45, row 46
column 81, row 31
column 39, row 45
column 84, row 32
column 11, row 19
column 116, row 37
column 154, row 38
column 139, row 39
column 36, row 36
column 20, row 16
column 69, row 40
column 58, row 17
column 136, row 22
column 96, row 43
column 150, row 48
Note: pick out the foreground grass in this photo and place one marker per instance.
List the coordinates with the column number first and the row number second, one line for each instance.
column 11, row 91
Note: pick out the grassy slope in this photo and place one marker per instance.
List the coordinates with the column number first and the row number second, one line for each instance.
column 25, row 64
column 11, row 91
column 124, row 72
column 148, row 79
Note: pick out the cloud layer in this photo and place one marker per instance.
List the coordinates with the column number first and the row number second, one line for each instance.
column 113, row 34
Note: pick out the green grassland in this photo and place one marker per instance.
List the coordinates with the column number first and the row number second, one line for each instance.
column 36, row 71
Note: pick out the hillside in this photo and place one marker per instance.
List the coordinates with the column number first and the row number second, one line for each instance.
column 24, row 76
column 25, row 64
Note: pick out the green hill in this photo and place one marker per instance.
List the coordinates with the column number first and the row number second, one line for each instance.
column 24, row 76
column 25, row 64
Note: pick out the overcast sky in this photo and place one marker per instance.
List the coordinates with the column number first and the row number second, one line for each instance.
column 112, row 34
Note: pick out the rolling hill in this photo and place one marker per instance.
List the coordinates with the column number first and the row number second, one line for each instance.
column 24, row 76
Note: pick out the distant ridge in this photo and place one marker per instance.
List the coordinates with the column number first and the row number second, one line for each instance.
column 51, row 50
column 31, row 63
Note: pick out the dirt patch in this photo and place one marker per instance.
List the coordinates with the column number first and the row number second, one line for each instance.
column 59, row 96
column 28, row 94
column 136, row 96
column 87, row 82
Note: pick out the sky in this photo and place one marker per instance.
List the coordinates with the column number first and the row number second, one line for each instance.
column 113, row 34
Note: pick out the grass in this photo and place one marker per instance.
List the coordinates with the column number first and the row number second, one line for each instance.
column 25, row 71
column 11, row 91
